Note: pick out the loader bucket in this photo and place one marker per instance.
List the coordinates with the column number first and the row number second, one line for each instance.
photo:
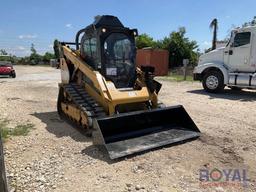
column 134, row 132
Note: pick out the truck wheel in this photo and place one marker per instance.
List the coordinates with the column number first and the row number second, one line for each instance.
column 213, row 82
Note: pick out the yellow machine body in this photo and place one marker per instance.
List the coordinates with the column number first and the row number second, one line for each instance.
column 124, row 117
column 104, row 91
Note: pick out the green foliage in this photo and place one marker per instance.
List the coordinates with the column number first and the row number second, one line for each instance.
column 32, row 49
column 176, row 77
column 18, row 130
column 3, row 52
column 179, row 46
column 24, row 61
column 250, row 23
column 144, row 40
column 34, row 57
column 56, row 48
column 48, row 56
column 22, row 129
column 4, row 128
column 10, row 58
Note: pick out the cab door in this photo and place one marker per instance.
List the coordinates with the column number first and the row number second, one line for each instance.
column 253, row 52
column 239, row 53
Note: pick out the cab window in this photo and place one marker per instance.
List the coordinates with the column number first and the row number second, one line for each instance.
column 242, row 39
column 87, row 48
column 93, row 48
column 90, row 50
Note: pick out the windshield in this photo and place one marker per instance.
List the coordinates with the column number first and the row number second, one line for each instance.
column 119, row 59
column 5, row 63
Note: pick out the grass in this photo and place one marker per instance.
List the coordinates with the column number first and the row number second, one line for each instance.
column 18, row 130
column 176, row 77
column 22, row 129
column 42, row 65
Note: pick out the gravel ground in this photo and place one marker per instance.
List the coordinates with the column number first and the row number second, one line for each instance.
column 56, row 157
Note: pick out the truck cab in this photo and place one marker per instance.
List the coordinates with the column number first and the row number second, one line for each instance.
column 233, row 65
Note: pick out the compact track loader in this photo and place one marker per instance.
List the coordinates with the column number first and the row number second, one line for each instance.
column 104, row 92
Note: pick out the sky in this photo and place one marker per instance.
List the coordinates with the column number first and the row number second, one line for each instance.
column 40, row 22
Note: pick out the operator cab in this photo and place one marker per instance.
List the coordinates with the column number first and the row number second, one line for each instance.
column 109, row 47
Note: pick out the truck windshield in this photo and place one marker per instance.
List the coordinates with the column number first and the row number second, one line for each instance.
column 119, row 59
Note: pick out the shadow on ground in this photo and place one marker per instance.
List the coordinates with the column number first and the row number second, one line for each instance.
column 98, row 152
column 229, row 94
column 60, row 128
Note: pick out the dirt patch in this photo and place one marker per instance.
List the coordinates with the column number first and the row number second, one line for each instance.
column 224, row 151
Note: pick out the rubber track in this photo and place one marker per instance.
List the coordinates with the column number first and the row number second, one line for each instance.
column 83, row 100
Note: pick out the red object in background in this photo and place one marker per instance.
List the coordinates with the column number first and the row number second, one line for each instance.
column 5, row 70
column 157, row 58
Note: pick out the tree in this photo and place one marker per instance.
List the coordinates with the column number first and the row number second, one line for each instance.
column 32, row 49
column 214, row 27
column 250, row 23
column 3, row 52
column 144, row 40
column 253, row 21
column 179, row 47
column 7, row 57
column 48, row 56
column 34, row 58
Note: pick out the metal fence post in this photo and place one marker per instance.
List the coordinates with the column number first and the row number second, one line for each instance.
column 3, row 181
column 185, row 65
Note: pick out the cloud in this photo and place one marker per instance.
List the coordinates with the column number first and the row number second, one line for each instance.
column 28, row 36
column 21, row 48
column 69, row 25
column 227, row 16
column 18, row 51
column 206, row 43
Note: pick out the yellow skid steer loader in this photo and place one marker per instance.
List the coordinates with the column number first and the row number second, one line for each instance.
column 104, row 92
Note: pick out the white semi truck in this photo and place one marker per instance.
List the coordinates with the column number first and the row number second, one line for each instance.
column 233, row 66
